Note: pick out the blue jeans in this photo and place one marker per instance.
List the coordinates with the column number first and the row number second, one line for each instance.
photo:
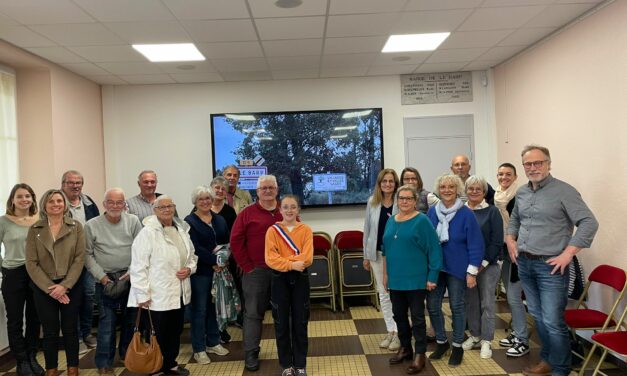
column 204, row 325
column 456, row 301
column 86, row 310
column 108, row 308
column 546, row 295
column 514, row 299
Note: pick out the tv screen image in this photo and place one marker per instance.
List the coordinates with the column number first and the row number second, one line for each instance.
column 329, row 157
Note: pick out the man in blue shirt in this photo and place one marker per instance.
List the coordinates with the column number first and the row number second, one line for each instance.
column 540, row 240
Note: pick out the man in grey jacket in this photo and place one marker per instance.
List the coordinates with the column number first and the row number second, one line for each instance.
column 108, row 255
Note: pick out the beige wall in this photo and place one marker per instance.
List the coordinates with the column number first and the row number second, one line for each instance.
column 59, row 119
column 570, row 94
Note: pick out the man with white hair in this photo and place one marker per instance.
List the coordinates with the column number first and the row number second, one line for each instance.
column 108, row 255
column 141, row 204
column 248, row 238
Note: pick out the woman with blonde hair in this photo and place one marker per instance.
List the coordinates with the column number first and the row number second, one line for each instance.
column 55, row 255
column 380, row 207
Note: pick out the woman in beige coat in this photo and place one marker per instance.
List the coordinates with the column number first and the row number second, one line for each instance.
column 55, row 252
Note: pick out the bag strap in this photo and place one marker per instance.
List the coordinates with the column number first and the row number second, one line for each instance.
column 137, row 319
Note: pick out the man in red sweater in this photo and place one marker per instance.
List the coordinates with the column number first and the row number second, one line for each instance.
column 247, row 242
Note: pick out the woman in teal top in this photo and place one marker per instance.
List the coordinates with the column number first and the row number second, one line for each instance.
column 412, row 260
column 21, row 214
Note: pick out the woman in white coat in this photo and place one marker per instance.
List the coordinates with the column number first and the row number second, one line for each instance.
column 380, row 207
column 162, row 261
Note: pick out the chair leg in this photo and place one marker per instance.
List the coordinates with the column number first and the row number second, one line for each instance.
column 598, row 367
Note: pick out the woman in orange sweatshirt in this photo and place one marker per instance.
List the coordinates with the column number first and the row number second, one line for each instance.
column 289, row 251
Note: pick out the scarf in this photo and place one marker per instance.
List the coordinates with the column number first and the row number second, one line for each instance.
column 502, row 198
column 445, row 215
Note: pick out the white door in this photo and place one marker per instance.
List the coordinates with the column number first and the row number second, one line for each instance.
column 431, row 143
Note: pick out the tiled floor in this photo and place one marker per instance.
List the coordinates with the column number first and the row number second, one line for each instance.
column 341, row 343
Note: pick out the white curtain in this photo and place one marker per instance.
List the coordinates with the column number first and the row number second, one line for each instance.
column 8, row 138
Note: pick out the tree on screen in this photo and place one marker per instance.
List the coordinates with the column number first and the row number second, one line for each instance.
column 297, row 145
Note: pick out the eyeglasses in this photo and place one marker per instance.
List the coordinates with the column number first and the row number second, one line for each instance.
column 165, row 207
column 536, row 164
column 410, row 179
column 474, row 189
column 406, row 198
column 73, row 183
column 267, row 188
column 115, row 203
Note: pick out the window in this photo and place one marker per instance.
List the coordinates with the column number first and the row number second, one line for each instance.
column 8, row 136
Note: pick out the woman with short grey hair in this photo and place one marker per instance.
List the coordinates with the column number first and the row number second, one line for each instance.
column 480, row 300
column 207, row 230
column 220, row 187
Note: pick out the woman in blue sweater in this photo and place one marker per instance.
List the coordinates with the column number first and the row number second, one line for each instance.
column 462, row 250
column 412, row 259
column 480, row 300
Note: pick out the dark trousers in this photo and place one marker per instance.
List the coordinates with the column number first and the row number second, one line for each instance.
column 290, row 310
column 168, row 327
column 49, row 310
column 256, row 286
column 18, row 296
column 414, row 300
column 86, row 310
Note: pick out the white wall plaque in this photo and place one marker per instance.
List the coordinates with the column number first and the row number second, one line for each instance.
column 436, row 88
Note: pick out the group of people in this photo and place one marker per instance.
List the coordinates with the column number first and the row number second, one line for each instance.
column 232, row 258
column 420, row 244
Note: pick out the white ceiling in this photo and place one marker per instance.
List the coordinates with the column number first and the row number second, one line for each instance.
column 246, row 40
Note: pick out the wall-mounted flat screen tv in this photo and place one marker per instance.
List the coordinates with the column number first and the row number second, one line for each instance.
column 324, row 157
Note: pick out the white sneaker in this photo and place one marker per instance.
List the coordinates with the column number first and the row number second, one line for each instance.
column 202, row 358
column 395, row 343
column 386, row 341
column 470, row 343
column 218, row 350
column 486, row 350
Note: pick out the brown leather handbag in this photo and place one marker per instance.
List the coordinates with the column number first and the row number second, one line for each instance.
column 142, row 357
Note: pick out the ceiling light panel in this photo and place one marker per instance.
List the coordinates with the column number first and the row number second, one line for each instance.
column 414, row 42
column 170, row 52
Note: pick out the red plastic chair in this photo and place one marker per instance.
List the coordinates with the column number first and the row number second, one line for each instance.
column 350, row 254
column 323, row 248
column 615, row 341
column 583, row 318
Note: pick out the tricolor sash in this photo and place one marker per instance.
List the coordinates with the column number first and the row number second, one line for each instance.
column 286, row 238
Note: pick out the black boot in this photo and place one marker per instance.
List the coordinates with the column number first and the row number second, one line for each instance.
column 34, row 365
column 22, row 366
column 440, row 351
column 456, row 356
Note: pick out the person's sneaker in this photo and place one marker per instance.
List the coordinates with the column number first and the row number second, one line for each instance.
column 90, row 341
column 202, row 358
column 509, row 341
column 519, row 349
column 440, row 351
column 288, row 372
column 471, row 343
column 225, row 337
column 178, row 371
column 301, row 372
column 457, row 355
column 218, row 350
column 82, row 348
column 386, row 341
column 395, row 343
column 486, row 350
